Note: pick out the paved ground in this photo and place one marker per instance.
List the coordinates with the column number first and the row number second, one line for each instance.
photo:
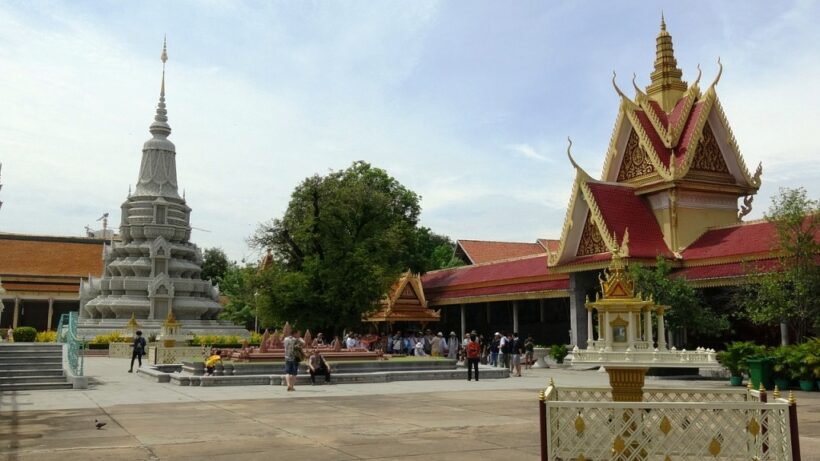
column 429, row 420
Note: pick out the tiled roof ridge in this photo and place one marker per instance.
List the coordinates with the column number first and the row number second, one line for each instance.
column 752, row 222
column 488, row 263
column 51, row 238
column 498, row 241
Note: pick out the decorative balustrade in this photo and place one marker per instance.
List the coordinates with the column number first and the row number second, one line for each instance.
column 67, row 334
column 690, row 424
column 159, row 355
column 648, row 358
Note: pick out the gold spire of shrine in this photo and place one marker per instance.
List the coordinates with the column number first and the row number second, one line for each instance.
column 666, row 87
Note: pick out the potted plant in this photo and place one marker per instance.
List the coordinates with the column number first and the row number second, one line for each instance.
column 558, row 352
column 734, row 358
column 782, row 377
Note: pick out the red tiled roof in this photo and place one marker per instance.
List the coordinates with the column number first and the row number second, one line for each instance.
column 534, row 266
column 549, row 244
column 546, row 285
column 621, row 208
column 718, row 271
column 50, row 256
column 482, row 251
column 743, row 239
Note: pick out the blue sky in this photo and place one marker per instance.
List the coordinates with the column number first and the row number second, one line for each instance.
column 467, row 103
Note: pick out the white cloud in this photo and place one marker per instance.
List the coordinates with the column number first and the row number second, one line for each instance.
column 527, row 151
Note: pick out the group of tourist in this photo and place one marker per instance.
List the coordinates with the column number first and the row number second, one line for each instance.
column 423, row 344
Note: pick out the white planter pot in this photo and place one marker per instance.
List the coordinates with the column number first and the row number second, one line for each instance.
column 540, row 354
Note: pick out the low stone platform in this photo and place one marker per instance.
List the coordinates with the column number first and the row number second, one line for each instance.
column 270, row 374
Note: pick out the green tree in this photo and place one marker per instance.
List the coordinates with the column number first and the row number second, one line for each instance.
column 433, row 251
column 788, row 292
column 687, row 313
column 343, row 240
column 240, row 285
column 215, row 264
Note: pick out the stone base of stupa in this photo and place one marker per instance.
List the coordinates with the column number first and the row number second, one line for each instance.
column 89, row 328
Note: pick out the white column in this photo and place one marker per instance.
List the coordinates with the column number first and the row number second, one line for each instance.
column 463, row 312
column 590, row 333
column 661, row 331
column 630, row 330
column 647, row 322
column 600, row 326
column 607, row 330
column 515, row 316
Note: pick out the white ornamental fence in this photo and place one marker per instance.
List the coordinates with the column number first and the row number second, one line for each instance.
column 583, row 424
column 159, row 355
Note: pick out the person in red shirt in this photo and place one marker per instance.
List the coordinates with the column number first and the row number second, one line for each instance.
column 473, row 356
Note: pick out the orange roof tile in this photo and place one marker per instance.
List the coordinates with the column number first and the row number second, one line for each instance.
column 50, row 256
column 484, row 251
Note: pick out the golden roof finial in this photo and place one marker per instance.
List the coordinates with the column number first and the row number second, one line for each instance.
column 666, row 87
column 617, row 90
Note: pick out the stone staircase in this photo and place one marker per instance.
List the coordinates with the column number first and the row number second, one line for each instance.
column 31, row 366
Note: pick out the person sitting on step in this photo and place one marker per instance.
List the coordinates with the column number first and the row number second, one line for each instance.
column 317, row 365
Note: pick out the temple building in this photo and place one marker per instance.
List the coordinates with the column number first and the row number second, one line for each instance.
column 42, row 275
column 154, row 271
column 674, row 184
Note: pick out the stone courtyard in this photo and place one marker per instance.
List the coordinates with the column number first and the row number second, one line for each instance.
column 420, row 420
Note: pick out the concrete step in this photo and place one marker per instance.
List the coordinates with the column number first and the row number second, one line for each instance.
column 31, row 355
column 29, row 350
column 7, row 345
column 23, row 372
column 34, row 386
column 32, row 379
column 39, row 365
column 32, row 360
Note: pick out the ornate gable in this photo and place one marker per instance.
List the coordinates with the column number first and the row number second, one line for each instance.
column 591, row 241
column 635, row 163
column 708, row 156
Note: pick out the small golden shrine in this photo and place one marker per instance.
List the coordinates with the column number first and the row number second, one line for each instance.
column 624, row 318
column 171, row 331
column 625, row 345
column 132, row 326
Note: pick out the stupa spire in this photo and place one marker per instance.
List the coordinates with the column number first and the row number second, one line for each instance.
column 160, row 127
column 666, row 87
column 158, row 172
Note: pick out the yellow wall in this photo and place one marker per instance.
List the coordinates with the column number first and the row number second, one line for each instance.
column 692, row 222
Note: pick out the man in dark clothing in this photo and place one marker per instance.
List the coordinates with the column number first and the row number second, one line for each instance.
column 318, row 366
column 138, row 352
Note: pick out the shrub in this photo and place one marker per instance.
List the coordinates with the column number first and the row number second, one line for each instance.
column 114, row 337
column 46, row 337
column 24, row 334
column 735, row 356
column 558, row 352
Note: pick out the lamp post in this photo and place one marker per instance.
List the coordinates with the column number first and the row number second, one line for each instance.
column 256, row 314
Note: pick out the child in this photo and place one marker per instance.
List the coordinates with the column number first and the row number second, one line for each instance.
column 210, row 363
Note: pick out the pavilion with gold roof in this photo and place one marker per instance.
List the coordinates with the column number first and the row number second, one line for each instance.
column 674, row 184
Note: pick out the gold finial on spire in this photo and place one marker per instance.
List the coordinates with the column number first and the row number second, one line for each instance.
column 666, row 87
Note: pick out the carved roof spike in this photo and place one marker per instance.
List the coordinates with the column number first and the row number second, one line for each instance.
column 638, row 91
column 572, row 160
column 618, row 90
column 720, row 72
column 624, row 250
column 758, row 172
column 697, row 80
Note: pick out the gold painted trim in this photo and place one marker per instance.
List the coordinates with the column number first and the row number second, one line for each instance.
column 612, row 150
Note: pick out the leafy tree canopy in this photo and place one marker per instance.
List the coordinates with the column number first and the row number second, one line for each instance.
column 791, row 292
column 342, row 242
column 688, row 313
column 215, row 264
column 240, row 285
